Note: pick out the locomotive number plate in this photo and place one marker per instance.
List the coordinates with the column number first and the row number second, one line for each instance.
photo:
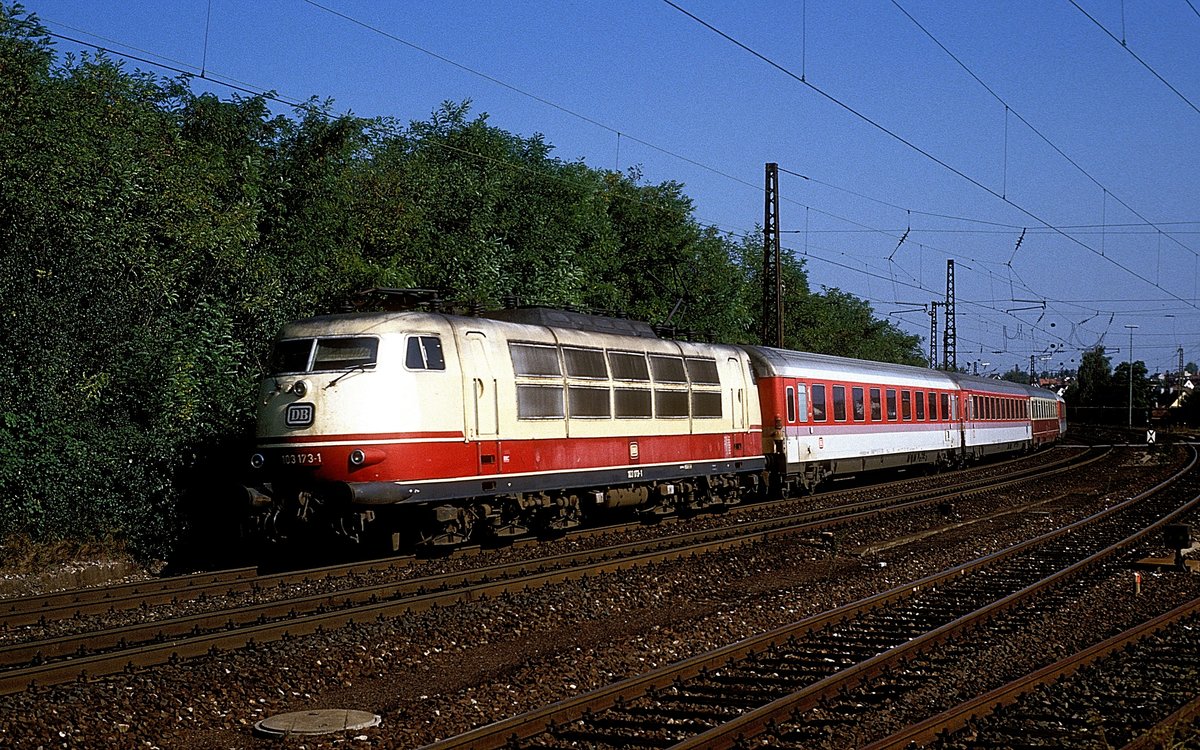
column 300, row 459
column 299, row 415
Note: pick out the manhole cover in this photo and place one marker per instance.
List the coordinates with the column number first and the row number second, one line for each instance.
column 323, row 721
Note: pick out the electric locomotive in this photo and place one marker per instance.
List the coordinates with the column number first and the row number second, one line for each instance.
column 430, row 428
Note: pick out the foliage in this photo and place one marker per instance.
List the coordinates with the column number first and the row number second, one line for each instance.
column 155, row 239
column 1016, row 375
column 1093, row 385
column 1100, row 389
column 1189, row 410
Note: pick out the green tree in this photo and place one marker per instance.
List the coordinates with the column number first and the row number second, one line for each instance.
column 1093, row 385
column 1016, row 375
column 1121, row 387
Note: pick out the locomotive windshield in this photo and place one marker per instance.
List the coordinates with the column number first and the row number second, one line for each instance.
column 323, row 355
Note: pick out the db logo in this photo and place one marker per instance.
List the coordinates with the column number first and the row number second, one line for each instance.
column 299, row 415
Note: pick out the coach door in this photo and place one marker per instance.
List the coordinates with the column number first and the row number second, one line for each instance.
column 481, row 402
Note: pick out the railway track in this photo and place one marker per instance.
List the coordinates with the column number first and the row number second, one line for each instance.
column 16, row 612
column 1128, row 691
column 763, row 690
column 93, row 653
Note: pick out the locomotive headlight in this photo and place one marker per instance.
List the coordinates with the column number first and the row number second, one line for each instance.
column 360, row 457
column 299, row 388
column 257, row 461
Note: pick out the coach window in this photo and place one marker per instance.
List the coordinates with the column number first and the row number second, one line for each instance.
column 906, row 405
column 920, row 400
column 818, row 402
column 891, row 404
column 860, row 409
column 802, row 402
column 946, row 407
column 791, row 404
column 933, row 415
column 876, row 406
column 839, row 403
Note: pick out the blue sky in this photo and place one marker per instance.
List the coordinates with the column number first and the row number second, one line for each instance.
column 1095, row 144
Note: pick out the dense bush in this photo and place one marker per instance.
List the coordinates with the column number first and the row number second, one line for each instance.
column 153, row 240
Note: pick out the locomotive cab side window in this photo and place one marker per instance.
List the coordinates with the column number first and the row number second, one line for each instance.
column 424, row 353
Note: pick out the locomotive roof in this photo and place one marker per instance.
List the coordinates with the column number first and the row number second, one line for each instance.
column 614, row 333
